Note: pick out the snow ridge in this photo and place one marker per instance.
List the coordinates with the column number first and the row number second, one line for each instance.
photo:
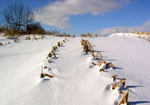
column 78, row 78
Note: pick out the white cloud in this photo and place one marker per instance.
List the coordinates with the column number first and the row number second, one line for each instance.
column 107, row 31
column 57, row 14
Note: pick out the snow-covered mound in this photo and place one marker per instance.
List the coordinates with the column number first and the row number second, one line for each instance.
column 141, row 36
column 122, row 34
column 75, row 81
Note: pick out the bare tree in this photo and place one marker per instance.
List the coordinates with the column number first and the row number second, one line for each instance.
column 17, row 17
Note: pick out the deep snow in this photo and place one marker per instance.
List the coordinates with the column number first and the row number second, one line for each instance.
column 75, row 81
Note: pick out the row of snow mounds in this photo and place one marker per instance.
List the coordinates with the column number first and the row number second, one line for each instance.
column 17, row 39
column 51, row 55
column 1, row 44
column 11, row 40
column 34, row 37
column 118, row 84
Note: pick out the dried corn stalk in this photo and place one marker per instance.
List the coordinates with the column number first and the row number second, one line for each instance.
column 49, row 55
column 44, row 74
column 82, row 42
column 54, row 48
column 93, row 53
column 90, row 46
column 109, row 65
column 99, row 55
column 120, row 84
column 58, row 44
column 53, row 53
column 115, row 85
column 114, row 77
column 124, row 99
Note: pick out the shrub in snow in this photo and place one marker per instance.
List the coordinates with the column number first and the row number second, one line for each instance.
column 9, row 32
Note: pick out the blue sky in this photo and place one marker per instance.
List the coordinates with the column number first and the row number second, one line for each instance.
column 130, row 14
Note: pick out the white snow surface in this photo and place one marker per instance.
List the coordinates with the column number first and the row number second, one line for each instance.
column 143, row 36
column 75, row 81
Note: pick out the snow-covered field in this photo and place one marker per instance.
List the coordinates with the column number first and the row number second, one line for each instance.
column 76, row 81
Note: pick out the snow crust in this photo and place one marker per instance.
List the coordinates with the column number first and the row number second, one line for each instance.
column 75, row 81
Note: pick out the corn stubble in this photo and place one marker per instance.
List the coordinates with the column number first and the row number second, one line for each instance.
column 50, row 55
column 121, row 84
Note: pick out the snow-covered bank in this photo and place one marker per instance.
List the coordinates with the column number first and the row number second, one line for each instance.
column 74, row 82
column 135, row 35
column 20, row 67
column 131, row 58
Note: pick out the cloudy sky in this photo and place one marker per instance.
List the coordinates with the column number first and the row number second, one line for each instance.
column 95, row 16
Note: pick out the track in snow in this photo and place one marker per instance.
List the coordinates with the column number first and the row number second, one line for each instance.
column 76, row 83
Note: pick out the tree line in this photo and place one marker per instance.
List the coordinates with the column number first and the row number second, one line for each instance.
column 18, row 19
